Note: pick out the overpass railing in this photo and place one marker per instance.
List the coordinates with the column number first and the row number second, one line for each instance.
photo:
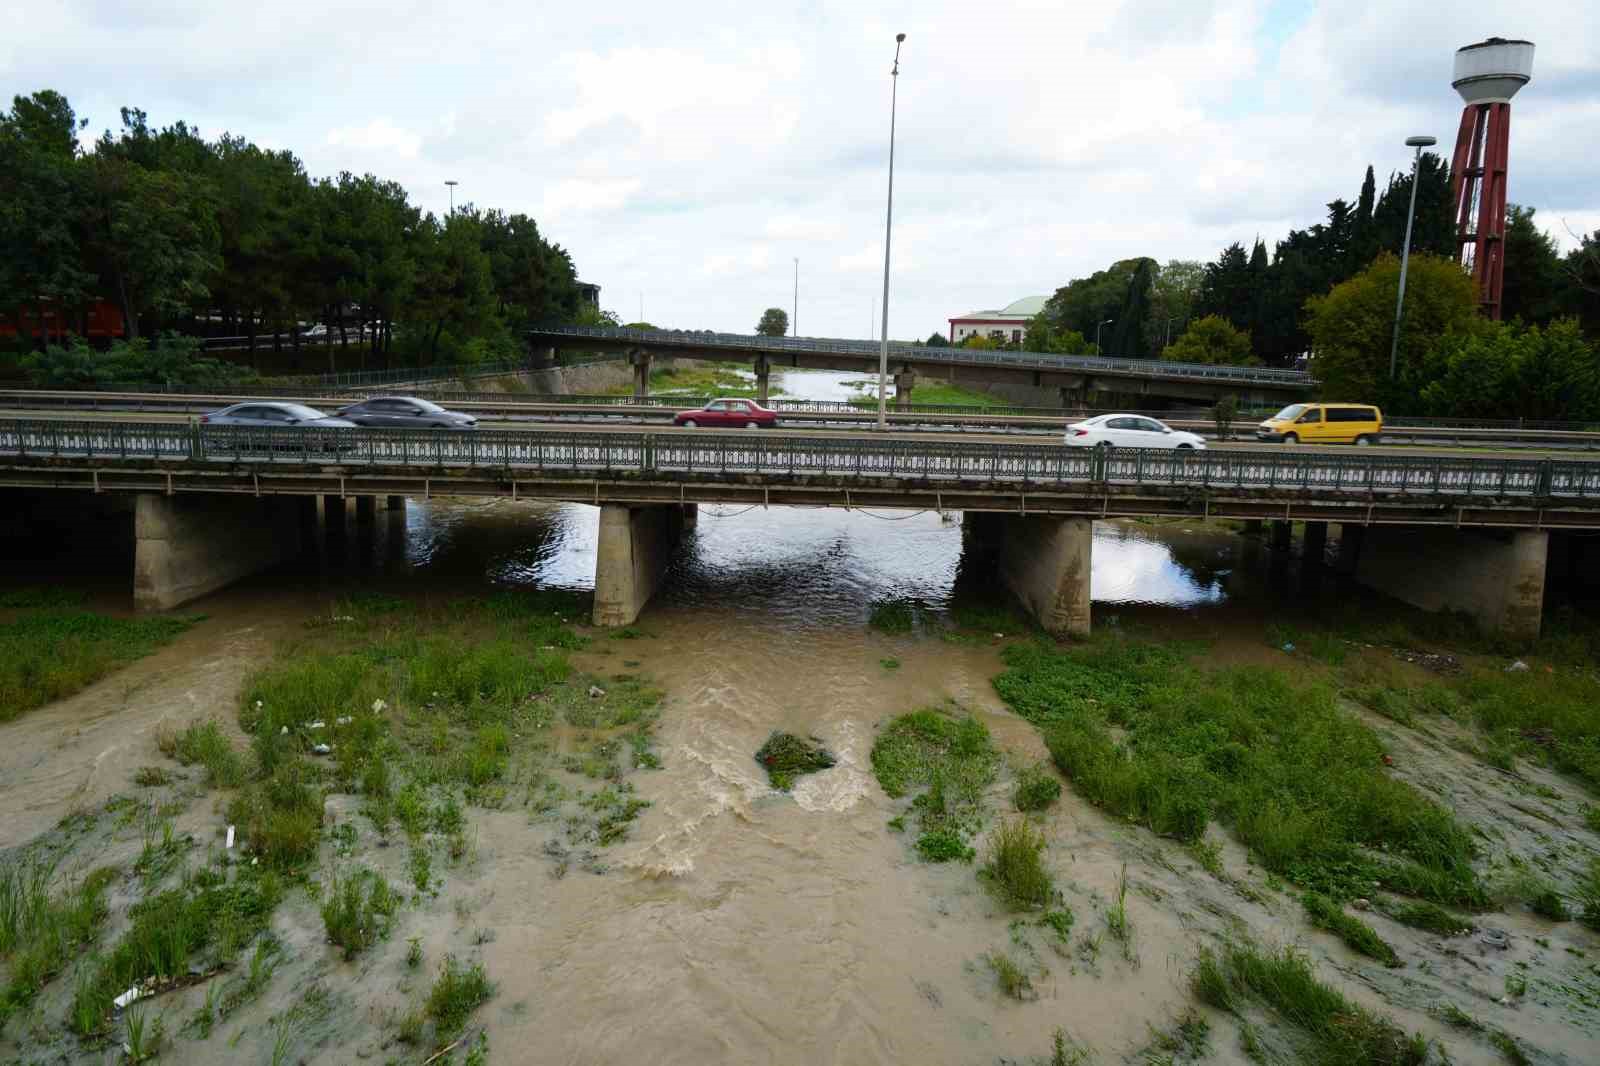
column 741, row 454
column 735, row 342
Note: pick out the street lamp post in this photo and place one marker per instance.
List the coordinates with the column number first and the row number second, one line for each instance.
column 888, row 224
column 1419, row 143
column 794, row 320
column 1097, row 327
column 452, row 183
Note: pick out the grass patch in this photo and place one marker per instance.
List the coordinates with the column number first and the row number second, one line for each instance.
column 357, row 911
column 1011, row 978
column 1420, row 914
column 948, row 762
column 1300, row 781
column 1589, row 895
column 41, row 929
column 787, row 756
column 1037, row 789
column 1013, row 867
column 1357, row 935
column 456, row 993
column 203, row 743
column 1332, row 1030
column 48, row 655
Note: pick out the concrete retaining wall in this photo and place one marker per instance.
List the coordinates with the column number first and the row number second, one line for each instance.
column 1497, row 578
column 187, row 546
column 634, row 547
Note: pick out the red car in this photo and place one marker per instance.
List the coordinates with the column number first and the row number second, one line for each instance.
column 746, row 414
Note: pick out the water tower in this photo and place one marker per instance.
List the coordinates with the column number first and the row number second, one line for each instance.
column 1487, row 75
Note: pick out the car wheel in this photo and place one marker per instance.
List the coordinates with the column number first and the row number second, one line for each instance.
column 752, row 425
column 1363, row 441
column 689, row 423
column 1290, row 438
column 1186, row 447
column 1104, row 446
column 440, row 425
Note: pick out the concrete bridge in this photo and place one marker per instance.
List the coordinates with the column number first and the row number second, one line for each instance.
column 214, row 503
column 1074, row 376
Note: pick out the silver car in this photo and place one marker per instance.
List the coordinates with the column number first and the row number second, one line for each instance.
column 405, row 412
column 273, row 413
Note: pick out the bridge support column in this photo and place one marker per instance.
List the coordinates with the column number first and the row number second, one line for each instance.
column 1044, row 561
column 366, row 507
column 1496, row 577
column 335, row 514
column 905, row 379
column 639, row 359
column 691, row 514
column 1281, row 536
column 763, row 369
column 635, row 544
column 543, row 357
column 187, row 546
column 395, row 503
column 1316, row 544
column 1253, row 527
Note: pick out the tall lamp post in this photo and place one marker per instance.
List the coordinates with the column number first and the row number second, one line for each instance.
column 452, row 183
column 1097, row 327
column 888, row 224
column 794, row 320
column 1419, row 143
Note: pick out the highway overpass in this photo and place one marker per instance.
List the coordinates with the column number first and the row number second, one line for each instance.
column 1074, row 376
column 214, row 503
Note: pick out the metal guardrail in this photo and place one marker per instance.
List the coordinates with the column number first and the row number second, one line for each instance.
column 1483, row 480
column 733, row 342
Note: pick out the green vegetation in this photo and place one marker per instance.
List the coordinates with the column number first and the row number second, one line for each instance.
column 1013, row 867
column 787, row 756
column 1589, row 895
column 931, row 392
column 1421, row 914
column 456, row 993
column 709, row 379
column 1011, row 978
column 164, row 223
column 894, row 616
column 1037, row 789
column 952, row 761
column 42, row 930
column 357, row 911
column 1333, row 1031
column 203, row 743
column 51, row 653
column 1357, row 935
column 1299, row 781
column 1212, row 339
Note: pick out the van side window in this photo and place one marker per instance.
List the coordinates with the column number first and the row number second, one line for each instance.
column 1313, row 415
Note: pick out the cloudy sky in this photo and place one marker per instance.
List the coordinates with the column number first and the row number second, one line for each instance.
column 687, row 153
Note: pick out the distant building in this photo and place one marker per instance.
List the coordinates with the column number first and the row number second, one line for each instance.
column 589, row 294
column 1005, row 325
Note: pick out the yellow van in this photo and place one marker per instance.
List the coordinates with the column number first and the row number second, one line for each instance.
column 1323, row 423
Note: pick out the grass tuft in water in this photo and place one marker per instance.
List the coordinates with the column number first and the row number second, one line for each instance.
column 1011, row 978
column 357, row 911
column 456, row 993
column 787, row 756
column 51, row 654
column 952, row 761
column 1037, row 789
column 1332, row 1031
column 1357, row 935
column 895, row 616
column 1013, row 867
column 203, row 743
column 1421, row 914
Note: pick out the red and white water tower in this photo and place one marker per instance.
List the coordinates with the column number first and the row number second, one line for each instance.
column 1487, row 75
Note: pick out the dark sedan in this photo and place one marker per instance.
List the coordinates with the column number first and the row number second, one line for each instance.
column 746, row 414
column 405, row 412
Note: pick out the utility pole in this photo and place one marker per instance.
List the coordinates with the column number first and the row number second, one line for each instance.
column 888, row 227
column 1419, row 143
column 794, row 319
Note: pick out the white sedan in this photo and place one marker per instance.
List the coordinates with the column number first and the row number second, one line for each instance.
column 1129, row 431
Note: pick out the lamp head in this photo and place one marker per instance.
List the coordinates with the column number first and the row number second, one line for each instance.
column 1423, row 141
column 899, row 38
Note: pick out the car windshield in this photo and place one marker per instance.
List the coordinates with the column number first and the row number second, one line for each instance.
column 427, row 405
column 1294, row 410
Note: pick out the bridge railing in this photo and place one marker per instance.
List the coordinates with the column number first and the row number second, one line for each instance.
column 739, row 454
column 733, row 342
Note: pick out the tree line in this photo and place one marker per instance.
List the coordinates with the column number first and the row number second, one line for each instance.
column 224, row 236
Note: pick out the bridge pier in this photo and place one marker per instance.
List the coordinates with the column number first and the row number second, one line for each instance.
column 634, row 546
column 1044, row 561
column 639, row 359
column 395, row 503
column 1316, row 543
column 905, row 379
column 187, row 546
column 763, row 369
column 1496, row 577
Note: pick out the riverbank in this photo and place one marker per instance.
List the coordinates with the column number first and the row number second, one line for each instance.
column 664, row 901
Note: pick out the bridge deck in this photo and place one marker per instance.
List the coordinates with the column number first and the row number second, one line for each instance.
column 747, row 467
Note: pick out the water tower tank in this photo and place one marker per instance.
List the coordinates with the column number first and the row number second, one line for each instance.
column 1491, row 72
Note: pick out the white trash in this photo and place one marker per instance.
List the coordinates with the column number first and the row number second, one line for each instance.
column 318, row 724
column 321, row 749
column 378, row 706
column 596, row 692
column 229, row 845
column 343, row 719
column 127, row 997
column 1516, row 667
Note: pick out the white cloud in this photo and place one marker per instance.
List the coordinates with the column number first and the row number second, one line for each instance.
column 376, row 137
